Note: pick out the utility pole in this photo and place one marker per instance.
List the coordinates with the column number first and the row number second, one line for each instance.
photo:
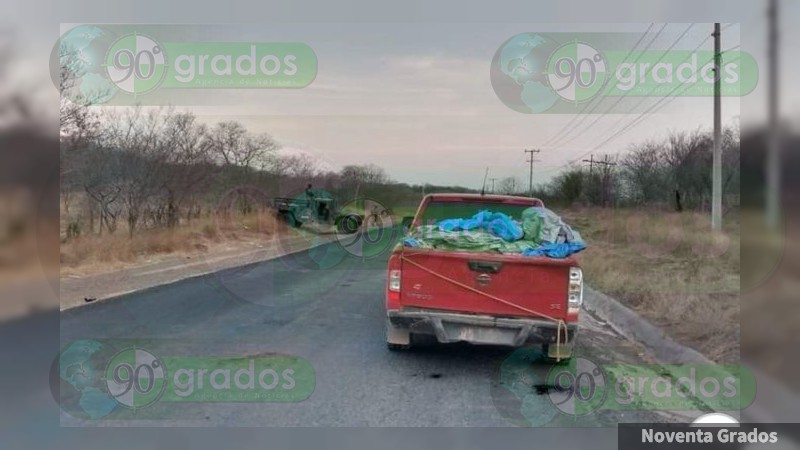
column 716, row 195
column 605, row 162
column 604, row 185
column 591, row 163
column 773, row 190
column 492, row 180
column 530, row 177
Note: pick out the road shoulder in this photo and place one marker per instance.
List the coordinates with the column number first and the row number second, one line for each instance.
column 80, row 290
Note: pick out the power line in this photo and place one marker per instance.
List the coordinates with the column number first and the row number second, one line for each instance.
column 605, row 162
column 650, row 109
column 597, row 98
column 575, row 117
column 584, row 115
column 661, row 103
column 622, row 97
column 591, row 163
column 669, row 98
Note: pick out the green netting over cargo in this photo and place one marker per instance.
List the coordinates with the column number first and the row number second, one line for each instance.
column 477, row 241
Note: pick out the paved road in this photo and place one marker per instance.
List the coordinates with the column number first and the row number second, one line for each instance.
column 164, row 269
column 333, row 317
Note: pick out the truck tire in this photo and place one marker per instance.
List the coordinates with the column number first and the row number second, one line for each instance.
column 292, row 220
column 349, row 224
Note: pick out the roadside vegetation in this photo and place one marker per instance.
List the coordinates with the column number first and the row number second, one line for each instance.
column 140, row 182
column 670, row 269
column 99, row 253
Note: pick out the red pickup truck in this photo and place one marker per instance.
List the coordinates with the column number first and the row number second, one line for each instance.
column 481, row 298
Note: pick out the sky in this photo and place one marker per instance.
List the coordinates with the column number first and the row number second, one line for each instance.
column 417, row 100
column 410, row 90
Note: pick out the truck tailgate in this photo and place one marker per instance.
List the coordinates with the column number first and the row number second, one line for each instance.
column 431, row 279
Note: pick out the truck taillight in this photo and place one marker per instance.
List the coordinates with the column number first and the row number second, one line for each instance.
column 575, row 291
column 394, row 280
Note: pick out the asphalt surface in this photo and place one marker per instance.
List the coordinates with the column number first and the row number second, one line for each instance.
column 326, row 306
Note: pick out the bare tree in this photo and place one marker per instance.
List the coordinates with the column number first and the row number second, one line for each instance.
column 235, row 146
column 187, row 151
column 79, row 126
column 679, row 168
column 643, row 173
column 508, row 185
column 139, row 137
column 78, row 122
column 731, row 161
column 364, row 174
column 302, row 166
column 358, row 180
column 98, row 170
column 688, row 159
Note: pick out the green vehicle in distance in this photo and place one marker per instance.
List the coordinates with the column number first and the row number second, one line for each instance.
column 315, row 208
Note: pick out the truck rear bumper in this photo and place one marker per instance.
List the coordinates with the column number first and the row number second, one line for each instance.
column 479, row 329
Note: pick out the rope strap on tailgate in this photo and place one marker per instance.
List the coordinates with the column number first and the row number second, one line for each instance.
column 560, row 324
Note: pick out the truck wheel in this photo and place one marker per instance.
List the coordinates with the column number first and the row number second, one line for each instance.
column 397, row 339
column 349, row 223
column 292, row 221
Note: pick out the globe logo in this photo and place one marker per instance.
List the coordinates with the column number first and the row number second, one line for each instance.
column 77, row 382
column 77, row 65
column 90, row 64
column 92, row 379
column 577, row 72
column 531, row 73
column 136, row 64
column 135, row 378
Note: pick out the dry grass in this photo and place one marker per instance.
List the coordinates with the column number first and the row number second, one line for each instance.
column 93, row 253
column 671, row 269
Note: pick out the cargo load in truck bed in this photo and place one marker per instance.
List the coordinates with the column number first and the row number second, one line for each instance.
column 538, row 232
